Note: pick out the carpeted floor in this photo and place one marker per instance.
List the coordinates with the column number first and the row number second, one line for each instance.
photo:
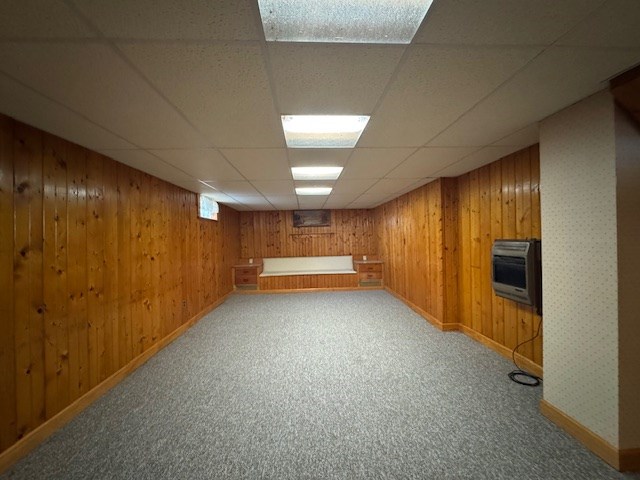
column 320, row 385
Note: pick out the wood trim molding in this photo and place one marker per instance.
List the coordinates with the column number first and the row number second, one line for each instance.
column 493, row 345
column 506, row 352
column 30, row 441
column 592, row 441
column 445, row 327
column 624, row 460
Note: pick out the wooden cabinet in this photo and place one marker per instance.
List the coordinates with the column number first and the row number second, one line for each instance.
column 245, row 275
column 369, row 273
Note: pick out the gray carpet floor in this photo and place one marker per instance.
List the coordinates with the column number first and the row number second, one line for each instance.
column 341, row 385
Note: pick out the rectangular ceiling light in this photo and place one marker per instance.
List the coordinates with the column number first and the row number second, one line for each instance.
column 323, row 131
column 342, row 21
column 316, row 173
column 313, row 190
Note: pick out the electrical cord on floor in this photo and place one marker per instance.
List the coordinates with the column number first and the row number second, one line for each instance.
column 519, row 375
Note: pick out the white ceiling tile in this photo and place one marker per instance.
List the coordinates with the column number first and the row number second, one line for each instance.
column 331, row 79
column 283, row 202
column 222, row 89
column 370, row 200
column 502, row 22
column 352, row 187
column 194, row 186
column 148, row 163
column 477, row 159
column 615, row 24
column 389, row 186
column 38, row 19
column 421, row 182
column 93, row 81
column 204, row 164
column 256, row 203
column 282, row 198
column 260, row 164
column 554, row 80
column 274, row 187
column 374, row 162
column 194, row 74
column 250, row 198
column 286, row 206
column 221, row 197
column 168, row 19
column 427, row 161
column 413, row 186
column 340, row 201
column 234, row 189
column 435, row 86
column 198, row 187
column 524, row 137
column 311, row 201
column 25, row 105
column 319, row 157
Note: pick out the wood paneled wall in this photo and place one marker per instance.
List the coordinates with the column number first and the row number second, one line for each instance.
column 436, row 245
column 411, row 231
column 500, row 200
column 98, row 262
column 272, row 234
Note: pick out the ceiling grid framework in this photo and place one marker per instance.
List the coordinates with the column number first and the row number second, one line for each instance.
column 191, row 91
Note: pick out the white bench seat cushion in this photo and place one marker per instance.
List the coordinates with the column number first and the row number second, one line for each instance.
column 326, row 265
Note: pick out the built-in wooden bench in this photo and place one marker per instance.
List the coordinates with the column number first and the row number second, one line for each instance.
column 294, row 273
column 326, row 265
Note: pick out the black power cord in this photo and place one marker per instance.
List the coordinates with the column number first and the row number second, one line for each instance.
column 519, row 375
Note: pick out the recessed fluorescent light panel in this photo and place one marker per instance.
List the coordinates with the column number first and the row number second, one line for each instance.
column 316, row 173
column 323, row 131
column 313, row 190
column 342, row 21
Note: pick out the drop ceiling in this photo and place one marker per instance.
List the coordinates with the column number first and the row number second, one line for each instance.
column 191, row 92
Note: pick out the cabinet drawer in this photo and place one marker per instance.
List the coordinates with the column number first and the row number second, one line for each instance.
column 370, row 276
column 246, row 271
column 374, row 267
column 246, row 279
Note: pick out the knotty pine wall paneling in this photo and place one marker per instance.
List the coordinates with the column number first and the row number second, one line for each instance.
column 272, row 234
column 500, row 200
column 8, row 415
column 28, row 282
column 450, row 210
column 410, row 232
column 436, row 244
column 98, row 263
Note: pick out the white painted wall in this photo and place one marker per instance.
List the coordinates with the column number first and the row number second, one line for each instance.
column 580, row 275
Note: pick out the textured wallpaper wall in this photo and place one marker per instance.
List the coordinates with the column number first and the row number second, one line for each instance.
column 580, row 277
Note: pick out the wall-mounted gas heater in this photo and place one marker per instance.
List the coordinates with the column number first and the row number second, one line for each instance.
column 517, row 272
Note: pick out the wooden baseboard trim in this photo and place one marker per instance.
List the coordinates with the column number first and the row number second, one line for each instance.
column 523, row 362
column 27, row 443
column 592, row 441
column 305, row 290
column 445, row 327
